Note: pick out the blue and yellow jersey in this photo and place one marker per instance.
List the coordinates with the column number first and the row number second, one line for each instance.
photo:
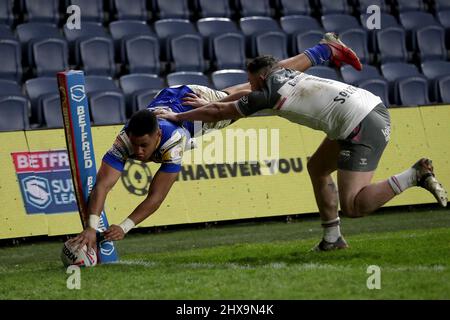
column 174, row 136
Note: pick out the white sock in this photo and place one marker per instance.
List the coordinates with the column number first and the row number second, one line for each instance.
column 402, row 181
column 331, row 230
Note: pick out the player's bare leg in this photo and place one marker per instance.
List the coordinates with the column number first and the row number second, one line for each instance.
column 359, row 198
column 320, row 166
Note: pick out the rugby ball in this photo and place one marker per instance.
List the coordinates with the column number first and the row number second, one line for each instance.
column 81, row 257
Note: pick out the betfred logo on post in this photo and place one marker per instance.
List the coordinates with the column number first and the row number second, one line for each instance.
column 45, row 181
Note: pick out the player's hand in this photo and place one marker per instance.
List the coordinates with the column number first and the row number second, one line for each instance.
column 88, row 237
column 194, row 101
column 114, row 233
column 166, row 114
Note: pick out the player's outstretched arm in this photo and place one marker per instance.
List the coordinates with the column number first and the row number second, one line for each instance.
column 159, row 188
column 212, row 112
column 107, row 177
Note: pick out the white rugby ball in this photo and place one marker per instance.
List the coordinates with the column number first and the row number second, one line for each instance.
column 81, row 257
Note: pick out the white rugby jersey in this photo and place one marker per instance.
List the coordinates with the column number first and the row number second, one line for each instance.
column 321, row 104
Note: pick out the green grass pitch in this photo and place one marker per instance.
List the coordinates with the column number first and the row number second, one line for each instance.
column 254, row 260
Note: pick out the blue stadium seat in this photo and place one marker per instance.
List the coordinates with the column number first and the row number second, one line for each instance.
column 6, row 33
column 293, row 7
column 414, row 20
column 107, row 108
column 255, row 8
column 378, row 87
column 323, row 72
column 299, row 23
column 131, row 9
column 227, row 78
column 136, row 85
column 74, row 36
column 13, row 113
column 215, row 8
column 441, row 5
column 6, row 12
column 295, row 24
column 386, row 21
column 142, row 55
column 410, row 5
column 252, row 26
column 339, row 22
column 50, row 56
column 364, row 4
column 91, row 10
column 187, row 51
column 97, row 56
column 229, row 51
column 11, row 66
column 42, row 10
column 51, row 112
column 144, row 98
column 272, row 43
column 431, row 43
column 166, row 29
column 34, row 31
column 434, row 71
column 444, row 89
column 394, row 72
column 125, row 29
column 305, row 40
column 99, row 83
column 334, row 6
column 357, row 39
column 36, row 89
column 444, row 18
column 9, row 88
column 185, row 78
column 413, row 91
column 392, row 45
column 177, row 9
column 354, row 77
column 210, row 28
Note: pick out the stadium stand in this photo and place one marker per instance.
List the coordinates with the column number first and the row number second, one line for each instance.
column 413, row 91
column 36, row 89
column 92, row 10
column 272, row 43
column 392, row 45
column 255, row 8
column 131, row 10
column 127, row 38
column 11, row 66
column 212, row 27
column 137, row 85
column 97, row 56
column 324, row 72
column 226, row 78
column 74, row 36
column 6, row 12
column 13, row 113
column 253, row 26
column 431, row 43
column 51, row 112
column 229, row 51
column 187, row 51
column 216, row 8
column 294, row 7
column 177, row 9
column 187, row 77
column 42, row 11
column 334, row 6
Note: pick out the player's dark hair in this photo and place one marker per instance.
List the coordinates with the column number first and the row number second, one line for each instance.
column 141, row 123
column 261, row 63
